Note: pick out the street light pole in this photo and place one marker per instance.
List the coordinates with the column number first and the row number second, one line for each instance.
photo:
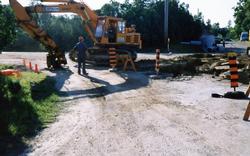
column 166, row 8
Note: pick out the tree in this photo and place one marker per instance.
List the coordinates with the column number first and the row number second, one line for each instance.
column 208, row 26
column 216, row 29
column 231, row 31
column 7, row 26
column 111, row 9
column 242, row 16
column 224, row 32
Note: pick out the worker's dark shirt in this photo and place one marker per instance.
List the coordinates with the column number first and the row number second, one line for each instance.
column 81, row 50
column 111, row 34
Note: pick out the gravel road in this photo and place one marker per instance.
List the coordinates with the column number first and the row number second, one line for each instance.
column 126, row 113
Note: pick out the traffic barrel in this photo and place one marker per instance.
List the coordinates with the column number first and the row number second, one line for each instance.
column 157, row 61
column 112, row 57
column 233, row 70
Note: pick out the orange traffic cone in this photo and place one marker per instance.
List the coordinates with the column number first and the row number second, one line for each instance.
column 36, row 68
column 30, row 66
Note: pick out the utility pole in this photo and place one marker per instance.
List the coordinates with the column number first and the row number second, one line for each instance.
column 166, row 8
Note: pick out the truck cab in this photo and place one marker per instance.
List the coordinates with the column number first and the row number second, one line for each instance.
column 244, row 36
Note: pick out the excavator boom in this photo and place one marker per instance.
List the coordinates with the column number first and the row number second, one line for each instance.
column 88, row 16
column 55, row 57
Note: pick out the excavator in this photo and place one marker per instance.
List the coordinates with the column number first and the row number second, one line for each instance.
column 104, row 31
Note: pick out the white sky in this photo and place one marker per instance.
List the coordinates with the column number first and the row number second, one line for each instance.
column 220, row 11
column 216, row 10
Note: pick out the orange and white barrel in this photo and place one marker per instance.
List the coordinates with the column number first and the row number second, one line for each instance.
column 233, row 70
column 112, row 57
column 157, row 61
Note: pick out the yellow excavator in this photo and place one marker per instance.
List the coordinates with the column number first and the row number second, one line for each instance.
column 104, row 31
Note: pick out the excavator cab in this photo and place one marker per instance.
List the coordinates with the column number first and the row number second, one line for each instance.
column 106, row 30
column 112, row 30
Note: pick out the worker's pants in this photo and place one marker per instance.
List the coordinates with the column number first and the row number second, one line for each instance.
column 81, row 64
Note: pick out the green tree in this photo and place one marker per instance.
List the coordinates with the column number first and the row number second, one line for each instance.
column 111, row 9
column 64, row 30
column 231, row 31
column 7, row 26
column 242, row 16
column 216, row 29
column 208, row 26
column 224, row 32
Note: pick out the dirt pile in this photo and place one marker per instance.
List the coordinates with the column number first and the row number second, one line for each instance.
column 216, row 64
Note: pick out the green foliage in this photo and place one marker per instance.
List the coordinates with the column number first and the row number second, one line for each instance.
column 111, row 9
column 26, row 105
column 7, row 26
column 63, row 29
column 242, row 16
column 3, row 67
column 24, row 43
column 25, row 109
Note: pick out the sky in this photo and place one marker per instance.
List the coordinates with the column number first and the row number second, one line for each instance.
column 216, row 10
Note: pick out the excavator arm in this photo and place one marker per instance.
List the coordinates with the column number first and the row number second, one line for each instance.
column 55, row 56
column 69, row 6
column 23, row 15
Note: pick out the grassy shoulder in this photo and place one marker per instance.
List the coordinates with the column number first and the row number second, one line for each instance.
column 27, row 104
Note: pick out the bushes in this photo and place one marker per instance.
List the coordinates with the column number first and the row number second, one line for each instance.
column 6, row 97
column 23, row 110
column 17, row 112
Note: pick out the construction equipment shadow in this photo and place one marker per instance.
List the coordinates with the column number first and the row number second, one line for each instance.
column 61, row 77
column 133, row 81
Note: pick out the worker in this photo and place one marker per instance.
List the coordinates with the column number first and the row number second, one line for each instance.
column 81, row 48
column 112, row 33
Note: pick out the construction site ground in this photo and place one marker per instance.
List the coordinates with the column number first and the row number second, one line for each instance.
column 127, row 113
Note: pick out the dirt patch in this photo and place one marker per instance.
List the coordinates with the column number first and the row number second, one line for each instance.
column 126, row 113
column 197, row 64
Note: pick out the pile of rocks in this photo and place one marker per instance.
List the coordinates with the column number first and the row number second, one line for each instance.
column 216, row 64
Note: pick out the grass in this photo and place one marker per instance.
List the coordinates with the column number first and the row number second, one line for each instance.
column 27, row 104
column 3, row 66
